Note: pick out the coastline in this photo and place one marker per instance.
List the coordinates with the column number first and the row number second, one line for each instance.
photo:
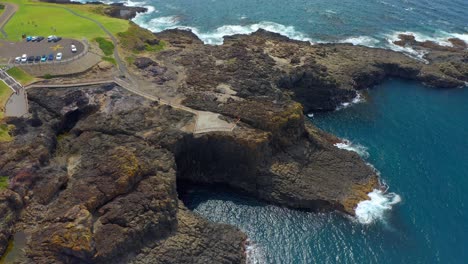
column 269, row 142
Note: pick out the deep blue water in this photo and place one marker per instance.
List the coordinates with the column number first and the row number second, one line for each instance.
column 417, row 137
column 368, row 22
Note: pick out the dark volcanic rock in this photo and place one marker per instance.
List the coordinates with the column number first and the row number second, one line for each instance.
column 410, row 40
column 144, row 62
column 99, row 180
column 124, row 12
column 93, row 171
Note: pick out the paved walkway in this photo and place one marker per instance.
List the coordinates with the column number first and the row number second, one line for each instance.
column 205, row 121
column 17, row 104
column 10, row 10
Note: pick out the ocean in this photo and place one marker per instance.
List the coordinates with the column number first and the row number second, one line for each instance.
column 415, row 136
column 374, row 23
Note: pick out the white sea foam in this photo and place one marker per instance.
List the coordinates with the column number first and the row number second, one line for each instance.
column 215, row 37
column 375, row 208
column 254, row 253
column 356, row 100
column 361, row 40
column 463, row 37
column 350, row 146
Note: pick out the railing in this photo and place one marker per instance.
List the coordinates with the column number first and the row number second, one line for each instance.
column 10, row 81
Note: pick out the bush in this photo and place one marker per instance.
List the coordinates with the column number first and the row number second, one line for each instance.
column 48, row 76
column 105, row 45
column 109, row 59
column 3, row 182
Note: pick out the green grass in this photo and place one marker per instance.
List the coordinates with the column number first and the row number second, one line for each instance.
column 105, row 45
column 137, row 39
column 155, row 48
column 21, row 76
column 109, row 59
column 37, row 18
column 3, row 182
column 5, row 93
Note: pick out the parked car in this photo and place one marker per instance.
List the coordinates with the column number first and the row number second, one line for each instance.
column 73, row 48
column 37, row 59
column 59, row 56
column 57, row 39
column 34, row 38
column 31, row 59
column 24, row 58
column 28, row 38
column 18, row 59
column 51, row 57
column 39, row 39
column 44, row 58
column 51, row 38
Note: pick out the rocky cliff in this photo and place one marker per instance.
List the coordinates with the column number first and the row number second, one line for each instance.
column 93, row 172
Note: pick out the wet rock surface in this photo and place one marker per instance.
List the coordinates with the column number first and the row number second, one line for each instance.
column 93, row 172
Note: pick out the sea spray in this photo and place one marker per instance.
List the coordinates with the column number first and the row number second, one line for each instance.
column 380, row 201
column 356, row 100
column 350, row 146
column 254, row 253
column 372, row 210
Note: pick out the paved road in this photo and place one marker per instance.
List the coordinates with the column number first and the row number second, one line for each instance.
column 10, row 10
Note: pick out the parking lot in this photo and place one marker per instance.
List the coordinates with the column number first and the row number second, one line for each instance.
column 10, row 50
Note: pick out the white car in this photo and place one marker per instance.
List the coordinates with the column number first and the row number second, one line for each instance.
column 24, row 58
column 18, row 59
column 34, row 38
column 73, row 48
column 51, row 38
column 59, row 56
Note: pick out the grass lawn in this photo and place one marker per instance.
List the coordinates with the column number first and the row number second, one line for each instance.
column 37, row 18
column 5, row 93
column 21, row 76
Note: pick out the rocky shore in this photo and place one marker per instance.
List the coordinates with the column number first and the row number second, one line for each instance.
column 93, row 172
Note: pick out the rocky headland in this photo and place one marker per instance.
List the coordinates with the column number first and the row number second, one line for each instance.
column 94, row 172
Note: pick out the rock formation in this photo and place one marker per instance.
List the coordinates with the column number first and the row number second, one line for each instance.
column 93, row 172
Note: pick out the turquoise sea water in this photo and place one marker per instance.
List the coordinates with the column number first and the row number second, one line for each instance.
column 417, row 137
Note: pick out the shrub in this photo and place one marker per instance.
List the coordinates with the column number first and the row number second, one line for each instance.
column 109, row 59
column 3, row 182
column 105, row 45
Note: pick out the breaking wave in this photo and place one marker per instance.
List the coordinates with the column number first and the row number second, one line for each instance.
column 441, row 38
column 350, row 146
column 215, row 37
column 375, row 208
column 254, row 254
column 361, row 40
column 380, row 201
column 356, row 100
